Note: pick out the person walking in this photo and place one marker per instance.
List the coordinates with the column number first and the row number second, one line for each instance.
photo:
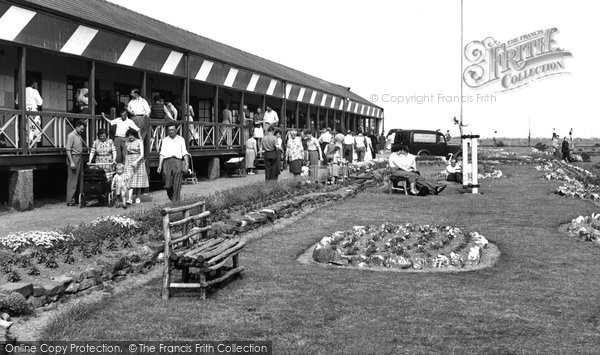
column 360, row 144
column 347, row 147
column 135, row 166
column 103, row 149
column 172, row 162
column 314, row 155
column 565, row 150
column 251, row 152
column 295, row 153
column 74, row 149
column 139, row 110
column 271, row 155
column 556, row 145
column 123, row 124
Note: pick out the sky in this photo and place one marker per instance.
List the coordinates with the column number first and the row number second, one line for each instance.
column 405, row 56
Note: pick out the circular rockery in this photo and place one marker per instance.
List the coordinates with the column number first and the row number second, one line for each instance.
column 406, row 246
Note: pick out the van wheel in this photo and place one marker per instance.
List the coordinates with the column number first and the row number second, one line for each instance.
column 423, row 153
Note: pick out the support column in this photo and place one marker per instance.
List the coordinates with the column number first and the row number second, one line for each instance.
column 216, row 106
column 317, row 118
column 283, row 117
column 214, row 168
column 264, row 104
column 144, row 85
column 326, row 117
column 92, row 99
column 475, row 185
column 245, row 131
column 308, row 116
column 298, row 115
column 146, row 139
column 465, row 161
column 185, row 97
column 20, row 189
column 23, row 124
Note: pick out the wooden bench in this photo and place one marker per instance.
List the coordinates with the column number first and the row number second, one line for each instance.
column 192, row 249
column 396, row 183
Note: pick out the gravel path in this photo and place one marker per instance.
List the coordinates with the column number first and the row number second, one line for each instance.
column 56, row 215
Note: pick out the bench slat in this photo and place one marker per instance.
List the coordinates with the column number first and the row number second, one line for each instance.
column 225, row 254
column 224, row 261
column 193, row 232
column 185, row 285
column 170, row 210
column 189, row 219
column 222, row 247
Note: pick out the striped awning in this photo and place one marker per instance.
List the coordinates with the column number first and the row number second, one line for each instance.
column 45, row 31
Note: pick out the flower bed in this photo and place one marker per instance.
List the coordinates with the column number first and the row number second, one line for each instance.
column 405, row 246
column 585, row 228
column 93, row 255
column 578, row 182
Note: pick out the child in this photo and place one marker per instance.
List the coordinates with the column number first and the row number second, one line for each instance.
column 120, row 185
column 305, row 171
column 334, row 167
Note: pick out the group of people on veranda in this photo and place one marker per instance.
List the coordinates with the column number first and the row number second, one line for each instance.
column 124, row 158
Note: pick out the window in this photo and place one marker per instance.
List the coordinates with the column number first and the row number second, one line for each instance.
column 424, row 138
column 204, row 113
column 73, row 84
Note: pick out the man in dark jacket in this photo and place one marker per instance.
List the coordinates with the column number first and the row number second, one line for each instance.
column 565, row 150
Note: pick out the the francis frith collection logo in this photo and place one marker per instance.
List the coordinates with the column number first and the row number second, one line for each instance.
column 514, row 63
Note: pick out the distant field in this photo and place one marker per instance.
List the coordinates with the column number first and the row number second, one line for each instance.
column 583, row 144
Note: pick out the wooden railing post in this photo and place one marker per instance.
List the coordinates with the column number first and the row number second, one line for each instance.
column 185, row 272
column 91, row 98
column 167, row 255
column 23, row 124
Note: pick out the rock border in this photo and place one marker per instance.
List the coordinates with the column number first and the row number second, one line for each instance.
column 488, row 259
column 327, row 252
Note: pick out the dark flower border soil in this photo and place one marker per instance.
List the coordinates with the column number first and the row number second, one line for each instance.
column 405, row 248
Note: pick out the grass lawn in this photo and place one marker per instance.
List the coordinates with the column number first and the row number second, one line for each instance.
column 542, row 294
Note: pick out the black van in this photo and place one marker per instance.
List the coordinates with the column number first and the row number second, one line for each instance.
column 424, row 143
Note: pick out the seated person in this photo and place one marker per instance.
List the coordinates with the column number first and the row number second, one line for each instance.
column 454, row 170
column 404, row 165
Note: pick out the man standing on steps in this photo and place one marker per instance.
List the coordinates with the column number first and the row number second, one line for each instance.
column 139, row 110
column 174, row 159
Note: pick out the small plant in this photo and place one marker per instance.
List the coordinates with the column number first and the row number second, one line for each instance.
column 51, row 262
column 42, row 258
column 33, row 271
column 69, row 259
column 13, row 276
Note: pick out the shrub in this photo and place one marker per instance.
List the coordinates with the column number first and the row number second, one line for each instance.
column 500, row 143
column 586, row 157
column 15, row 303
column 541, row 146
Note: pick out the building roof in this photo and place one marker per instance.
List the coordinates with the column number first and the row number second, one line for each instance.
column 104, row 14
